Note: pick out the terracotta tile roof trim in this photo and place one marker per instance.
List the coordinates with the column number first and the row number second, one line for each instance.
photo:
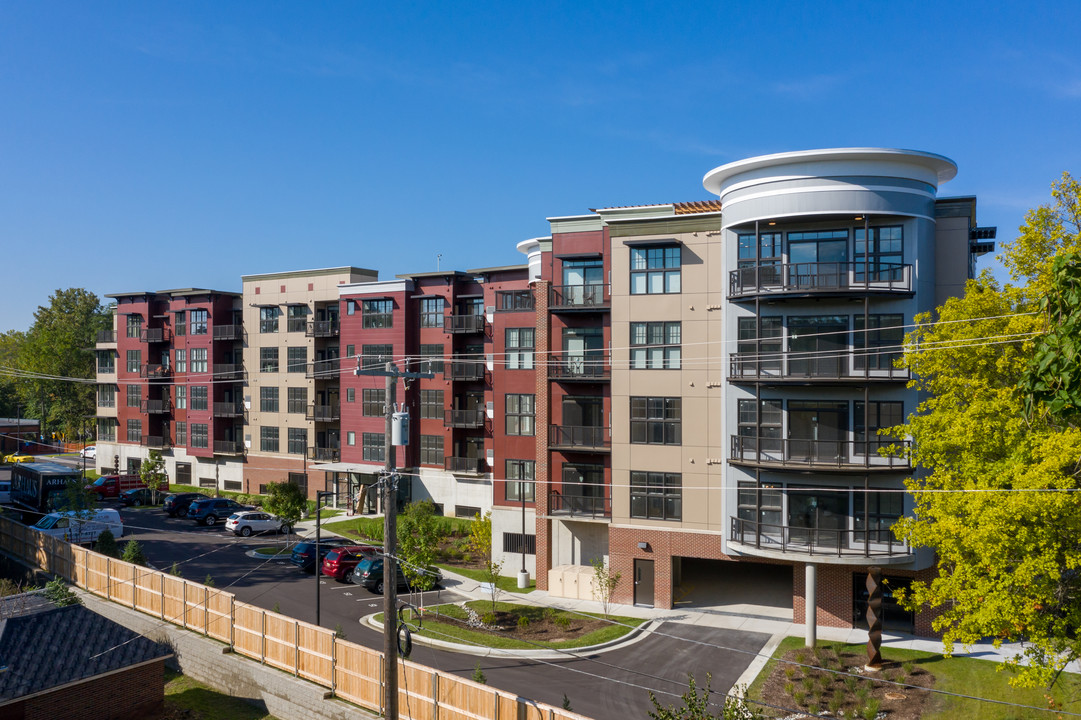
column 680, row 208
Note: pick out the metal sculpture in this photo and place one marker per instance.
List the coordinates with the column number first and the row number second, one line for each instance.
column 874, row 617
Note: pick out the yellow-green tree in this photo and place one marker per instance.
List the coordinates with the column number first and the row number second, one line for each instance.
column 1000, row 463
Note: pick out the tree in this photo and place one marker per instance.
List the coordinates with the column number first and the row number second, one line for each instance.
column 106, row 544
column 152, row 473
column 133, row 553
column 418, row 535
column 696, row 706
column 998, row 443
column 604, row 584
column 286, row 500
column 10, row 342
column 480, row 542
column 59, row 346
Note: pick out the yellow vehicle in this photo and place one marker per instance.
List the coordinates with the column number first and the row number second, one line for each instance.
column 18, row 458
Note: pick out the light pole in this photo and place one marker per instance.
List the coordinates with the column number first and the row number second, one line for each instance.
column 319, row 495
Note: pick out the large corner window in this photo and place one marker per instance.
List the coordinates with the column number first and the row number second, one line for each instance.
column 881, row 259
column 377, row 314
column 655, row 270
column 880, row 344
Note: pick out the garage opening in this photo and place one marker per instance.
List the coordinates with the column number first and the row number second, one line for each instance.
column 738, row 588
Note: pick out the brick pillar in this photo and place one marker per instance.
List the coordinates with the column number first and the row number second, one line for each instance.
column 543, row 417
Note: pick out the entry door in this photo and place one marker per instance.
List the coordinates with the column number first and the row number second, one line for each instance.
column 818, row 518
column 816, row 431
column 643, row 583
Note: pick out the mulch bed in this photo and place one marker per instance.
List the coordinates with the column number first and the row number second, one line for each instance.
column 820, row 689
column 541, row 628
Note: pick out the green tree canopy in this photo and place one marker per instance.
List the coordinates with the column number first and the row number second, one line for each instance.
column 287, row 501
column 419, row 535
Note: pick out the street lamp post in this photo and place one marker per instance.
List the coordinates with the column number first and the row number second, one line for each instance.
column 319, row 495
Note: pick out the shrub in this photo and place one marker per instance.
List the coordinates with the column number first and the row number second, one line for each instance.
column 563, row 621
column 799, row 696
column 59, row 594
column 567, row 703
column 808, row 683
column 870, row 709
column 789, row 672
column 812, row 708
column 908, row 667
column 788, row 688
column 523, row 622
column 175, row 570
column 133, row 553
column 106, row 544
column 488, row 618
column 339, row 631
column 479, row 676
column 837, row 701
column 209, row 581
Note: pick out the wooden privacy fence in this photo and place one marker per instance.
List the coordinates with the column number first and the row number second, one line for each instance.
column 352, row 672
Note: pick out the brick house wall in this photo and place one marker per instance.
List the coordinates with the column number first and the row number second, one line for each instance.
column 131, row 694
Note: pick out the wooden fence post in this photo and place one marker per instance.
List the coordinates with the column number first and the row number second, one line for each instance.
column 334, row 664
column 162, row 598
column 296, row 648
column 382, row 679
column 262, row 638
column 134, row 586
column 232, row 623
column 435, row 695
column 206, row 611
column 108, row 577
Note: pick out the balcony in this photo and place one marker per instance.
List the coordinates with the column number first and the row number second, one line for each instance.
column 464, row 418
column 157, row 442
column 228, row 410
column 580, row 298
column 324, row 454
column 154, row 335
column 579, row 505
column 465, row 465
column 464, row 324
column 801, row 367
column 820, row 279
column 587, row 438
column 228, row 372
column 322, row 329
column 836, row 455
column 228, row 332
column 853, row 546
column 580, row 368
column 155, row 407
column 228, row 447
column 323, row 413
column 154, row 371
column 324, row 369
column 464, row 370
column 106, row 337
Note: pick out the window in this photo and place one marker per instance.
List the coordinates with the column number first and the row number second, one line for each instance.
column 198, row 397
column 350, row 395
column 760, row 259
column 520, row 411
column 106, row 362
column 879, row 345
column 431, row 312
column 180, row 323
column 759, row 346
column 268, row 319
column 301, row 481
column 181, row 401
column 519, row 348
column 198, row 322
column 512, row 300
column 296, row 318
column 656, row 495
column 377, row 313
column 883, row 510
column 656, row 420
column 135, row 431
column 350, row 351
column 135, row 395
column 298, row 440
column 198, row 360
column 134, row 325
column 268, row 399
column 373, row 447
column 107, row 429
column 350, row 307
column 886, row 253
column 431, row 404
column 297, row 400
column 181, row 440
column 181, row 361
column 135, row 359
column 431, row 450
column 879, row 415
column 655, row 345
column 655, row 270
column 296, row 358
column 760, row 433
column 372, row 402
column 200, row 438
column 268, row 439
column 268, row 360
column 350, row 438
column 431, row 358
column 760, row 504
column 106, row 396
column 521, row 480
column 818, row 259
column 376, row 356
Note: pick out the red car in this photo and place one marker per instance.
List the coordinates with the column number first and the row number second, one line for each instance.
column 339, row 562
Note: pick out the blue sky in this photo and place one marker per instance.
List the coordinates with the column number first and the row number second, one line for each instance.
column 157, row 145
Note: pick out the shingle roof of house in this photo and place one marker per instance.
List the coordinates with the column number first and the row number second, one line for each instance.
column 43, row 646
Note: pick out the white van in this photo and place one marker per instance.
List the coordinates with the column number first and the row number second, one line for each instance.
column 81, row 527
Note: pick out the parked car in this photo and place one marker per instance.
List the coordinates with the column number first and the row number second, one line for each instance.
column 137, row 497
column 177, row 504
column 248, row 522
column 110, row 486
column 303, row 555
column 81, row 527
column 339, row 562
column 18, row 458
column 369, row 573
column 211, row 510
column 90, row 452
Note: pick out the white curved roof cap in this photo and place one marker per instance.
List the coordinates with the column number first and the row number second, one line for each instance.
column 926, row 164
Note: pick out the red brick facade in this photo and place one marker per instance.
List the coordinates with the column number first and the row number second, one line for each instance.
column 132, row 694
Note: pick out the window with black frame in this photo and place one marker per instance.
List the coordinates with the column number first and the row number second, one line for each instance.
column 656, row 495
column 268, row 320
column 198, row 324
column 656, row 420
column 655, row 345
column 377, row 313
column 655, row 270
column 881, row 260
column 431, row 312
column 521, row 480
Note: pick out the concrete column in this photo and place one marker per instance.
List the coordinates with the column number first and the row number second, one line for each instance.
column 811, row 604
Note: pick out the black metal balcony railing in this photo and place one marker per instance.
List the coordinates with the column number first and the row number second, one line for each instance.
column 106, row 336
column 228, row 332
column 228, row 371
column 464, row 370
column 154, row 335
column 153, row 370
column 228, row 410
column 323, row 413
column 155, row 407
column 804, row 454
column 157, row 442
column 324, row 454
column 228, row 447
column 323, row 369
column 464, row 418
column 582, row 437
column 821, row 278
column 808, row 366
column 816, row 541
column 580, row 297
column 582, row 368
column 464, row 324
column 472, row 466
column 580, row 505
column 321, row 328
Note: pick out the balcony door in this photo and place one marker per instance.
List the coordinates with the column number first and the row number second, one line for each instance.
column 817, row 346
column 581, row 280
column 582, row 349
column 817, row 431
column 818, row 259
column 817, row 518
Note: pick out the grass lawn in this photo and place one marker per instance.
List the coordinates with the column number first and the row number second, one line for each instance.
column 185, row 697
column 979, row 678
column 274, row 550
column 452, row 632
column 358, row 528
column 506, row 584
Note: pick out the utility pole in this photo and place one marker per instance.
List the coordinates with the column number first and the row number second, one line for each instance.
column 390, row 533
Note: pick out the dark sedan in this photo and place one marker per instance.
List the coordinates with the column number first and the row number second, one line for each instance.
column 303, row 555
column 137, row 497
column 176, row 505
